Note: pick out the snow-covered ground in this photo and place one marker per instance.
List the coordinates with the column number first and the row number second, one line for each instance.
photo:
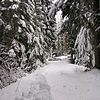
column 59, row 80
column 31, row 87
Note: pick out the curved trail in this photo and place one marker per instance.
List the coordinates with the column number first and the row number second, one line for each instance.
column 70, row 82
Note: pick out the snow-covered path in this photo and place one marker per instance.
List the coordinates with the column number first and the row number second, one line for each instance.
column 59, row 80
column 70, row 82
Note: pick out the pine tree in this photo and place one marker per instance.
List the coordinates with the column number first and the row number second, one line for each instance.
column 25, row 34
column 81, row 20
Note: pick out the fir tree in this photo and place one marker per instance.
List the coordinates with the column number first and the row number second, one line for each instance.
column 25, row 33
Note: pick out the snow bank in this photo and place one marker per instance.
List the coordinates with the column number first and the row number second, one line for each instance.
column 32, row 87
column 62, row 57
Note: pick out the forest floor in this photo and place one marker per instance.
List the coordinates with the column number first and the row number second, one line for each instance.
column 58, row 80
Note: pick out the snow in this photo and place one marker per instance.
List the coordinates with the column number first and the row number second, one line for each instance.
column 65, row 19
column 55, row 7
column 32, row 87
column 11, row 0
column 12, row 53
column 97, row 28
column 58, row 80
column 70, row 82
column 19, row 29
column 18, row 1
column 29, row 35
column 8, row 27
column 15, row 16
column 31, row 28
column 65, row 1
column 54, row 1
column 84, row 50
column 14, row 6
column 63, row 57
column 23, row 23
column 58, row 17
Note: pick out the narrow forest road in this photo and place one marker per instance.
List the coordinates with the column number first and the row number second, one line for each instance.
column 70, row 82
column 58, row 80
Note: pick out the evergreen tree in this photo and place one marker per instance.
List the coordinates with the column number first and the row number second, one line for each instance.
column 25, row 34
column 81, row 25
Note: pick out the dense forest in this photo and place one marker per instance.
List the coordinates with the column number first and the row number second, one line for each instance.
column 28, row 32
column 79, row 30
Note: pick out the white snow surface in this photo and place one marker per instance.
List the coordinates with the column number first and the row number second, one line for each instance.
column 32, row 87
column 58, row 80
column 54, row 1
